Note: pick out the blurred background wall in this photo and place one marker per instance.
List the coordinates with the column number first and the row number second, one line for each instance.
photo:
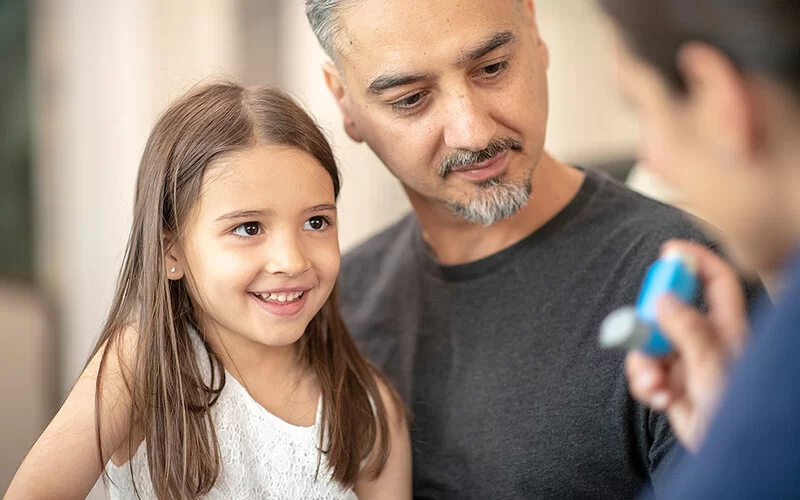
column 82, row 83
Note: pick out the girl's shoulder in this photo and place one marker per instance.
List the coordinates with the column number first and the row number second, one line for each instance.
column 114, row 361
column 64, row 461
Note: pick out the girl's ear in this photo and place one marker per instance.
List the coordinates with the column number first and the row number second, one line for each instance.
column 174, row 260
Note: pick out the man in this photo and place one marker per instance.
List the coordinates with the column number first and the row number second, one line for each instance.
column 483, row 305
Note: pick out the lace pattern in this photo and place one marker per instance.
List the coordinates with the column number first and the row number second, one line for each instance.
column 262, row 455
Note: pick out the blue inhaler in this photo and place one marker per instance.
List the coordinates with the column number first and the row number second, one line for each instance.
column 637, row 328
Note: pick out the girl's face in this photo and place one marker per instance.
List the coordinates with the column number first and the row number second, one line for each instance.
column 260, row 247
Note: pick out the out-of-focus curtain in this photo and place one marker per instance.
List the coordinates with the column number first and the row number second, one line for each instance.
column 16, row 217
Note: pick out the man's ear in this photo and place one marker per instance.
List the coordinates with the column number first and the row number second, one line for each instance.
column 529, row 12
column 174, row 260
column 333, row 79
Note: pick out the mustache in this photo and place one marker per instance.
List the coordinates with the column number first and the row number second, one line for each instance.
column 465, row 158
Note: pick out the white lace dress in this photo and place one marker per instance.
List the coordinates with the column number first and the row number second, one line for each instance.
column 262, row 455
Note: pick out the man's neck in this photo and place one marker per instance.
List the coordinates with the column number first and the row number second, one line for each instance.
column 455, row 241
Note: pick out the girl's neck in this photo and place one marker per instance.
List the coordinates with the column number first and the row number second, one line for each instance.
column 270, row 374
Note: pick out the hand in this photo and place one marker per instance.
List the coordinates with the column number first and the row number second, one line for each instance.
column 688, row 384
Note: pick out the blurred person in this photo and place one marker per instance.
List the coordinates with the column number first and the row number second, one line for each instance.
column 483, row 305
column 716, row 85
column 641, row 178
column 224, row 369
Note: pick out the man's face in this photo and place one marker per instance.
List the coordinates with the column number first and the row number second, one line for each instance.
column 451, row 95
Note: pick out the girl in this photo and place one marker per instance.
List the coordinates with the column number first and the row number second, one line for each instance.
column 224, row 369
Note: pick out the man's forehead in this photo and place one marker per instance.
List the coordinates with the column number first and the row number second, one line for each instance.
column 394, row 35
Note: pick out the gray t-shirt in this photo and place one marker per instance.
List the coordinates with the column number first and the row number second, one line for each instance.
column 498, row 359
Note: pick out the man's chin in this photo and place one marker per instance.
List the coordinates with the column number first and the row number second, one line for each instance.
column 489, row 205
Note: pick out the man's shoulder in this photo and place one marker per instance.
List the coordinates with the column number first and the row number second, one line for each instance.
column 628, row 215
column 381, row 253
column 398, row 235
column 626, row 226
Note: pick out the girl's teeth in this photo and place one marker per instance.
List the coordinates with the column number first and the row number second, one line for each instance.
column 280, row 297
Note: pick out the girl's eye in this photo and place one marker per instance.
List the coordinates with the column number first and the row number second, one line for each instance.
column 317, row 223
column 248, row 229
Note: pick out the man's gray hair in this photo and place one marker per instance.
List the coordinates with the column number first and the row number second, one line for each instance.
column 321, row 16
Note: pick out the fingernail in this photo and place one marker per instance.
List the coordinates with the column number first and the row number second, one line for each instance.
column 659, row 401
column 669, row 246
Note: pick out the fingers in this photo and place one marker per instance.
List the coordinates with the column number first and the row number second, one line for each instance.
column 649, row 380
column 693, row 336
column 723, row 292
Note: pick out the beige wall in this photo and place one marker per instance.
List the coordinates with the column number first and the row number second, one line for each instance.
column 587, row 119
column 27, row 372
column 102, row 73
column 105, row 70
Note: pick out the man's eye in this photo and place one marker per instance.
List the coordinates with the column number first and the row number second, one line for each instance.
column 317, row 223
column 409, row 102
column 495, row 69
column 248, row 229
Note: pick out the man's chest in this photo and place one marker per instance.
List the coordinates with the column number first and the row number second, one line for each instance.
column 518, row 410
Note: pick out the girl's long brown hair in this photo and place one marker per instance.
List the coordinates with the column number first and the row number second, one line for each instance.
column 171, row 401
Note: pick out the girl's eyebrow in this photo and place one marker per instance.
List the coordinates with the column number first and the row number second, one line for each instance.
column 243, row 214
column 255, row 214
column 325, row 207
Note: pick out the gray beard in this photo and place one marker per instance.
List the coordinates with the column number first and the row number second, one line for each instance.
column 495, row 200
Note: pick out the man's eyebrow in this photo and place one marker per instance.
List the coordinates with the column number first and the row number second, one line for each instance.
column 490, row 44
column 388, row 81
